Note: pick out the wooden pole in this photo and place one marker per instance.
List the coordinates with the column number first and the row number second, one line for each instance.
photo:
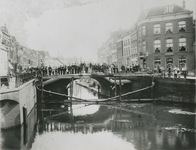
column 120, row 86
column 115, row 86
column 71, row 90
column 71, row 110
column 152, row 89
column 98, row 91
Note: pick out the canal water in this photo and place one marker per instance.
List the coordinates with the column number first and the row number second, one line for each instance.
column 105, row 126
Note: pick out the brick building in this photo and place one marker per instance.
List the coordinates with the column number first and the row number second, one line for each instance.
column 166, row 37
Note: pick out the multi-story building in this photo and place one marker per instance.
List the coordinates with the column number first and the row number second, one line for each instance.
column 4, row 50
column 134, row 49
column 127, row 49
column 166, row 37
column 119, row 47
column 13, row 53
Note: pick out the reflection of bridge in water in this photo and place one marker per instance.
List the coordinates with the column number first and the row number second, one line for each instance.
column 135, row 123
column 114, row 86
column 110, row 118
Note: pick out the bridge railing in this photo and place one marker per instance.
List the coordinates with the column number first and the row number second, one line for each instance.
column 23, row 78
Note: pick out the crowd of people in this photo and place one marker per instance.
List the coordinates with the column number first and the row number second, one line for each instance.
column 171, row 71
column 82, row 68
column 24, row 74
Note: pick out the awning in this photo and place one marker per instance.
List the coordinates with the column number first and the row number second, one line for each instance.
column 10, row 65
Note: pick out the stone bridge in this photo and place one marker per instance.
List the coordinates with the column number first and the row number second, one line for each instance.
column 59, row 83
column 17, row 103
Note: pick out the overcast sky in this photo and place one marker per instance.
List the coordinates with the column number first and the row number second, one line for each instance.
column 72, row 27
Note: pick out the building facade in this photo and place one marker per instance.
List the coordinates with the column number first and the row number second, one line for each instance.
column 134, row 49
column 163, row 36
column 4, row 50
column 127, row 49
column 119, row 47
column 166, row 34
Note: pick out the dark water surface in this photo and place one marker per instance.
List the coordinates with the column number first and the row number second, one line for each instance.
column 121, row 126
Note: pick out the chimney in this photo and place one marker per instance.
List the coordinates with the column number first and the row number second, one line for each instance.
column 183, row 3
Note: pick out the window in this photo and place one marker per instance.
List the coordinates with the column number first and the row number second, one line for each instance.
column 157, row 62
column 182, row 44
column 169, row 28
column 157, row 45
column 144, row 46
column 169, row 62
column 169, row 45
column 182, row 62
column 139, row 46
column 157, row 29
column 169, row 9
column 143, row 30
column 182, row 26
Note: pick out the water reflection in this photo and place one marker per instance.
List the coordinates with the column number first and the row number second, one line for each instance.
column 108, row 126
column 84, row 109
column 84, row 93
column 126, row 126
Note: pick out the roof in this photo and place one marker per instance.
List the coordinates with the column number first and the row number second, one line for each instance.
column 44, row 53
column 5, row 30
column 162, row 10
column 124, row 33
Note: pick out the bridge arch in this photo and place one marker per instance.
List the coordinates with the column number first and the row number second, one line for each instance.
column 59, row 84
column 10, row 113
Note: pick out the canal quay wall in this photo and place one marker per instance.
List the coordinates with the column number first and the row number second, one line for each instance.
column 17, row 103
column 165, row 89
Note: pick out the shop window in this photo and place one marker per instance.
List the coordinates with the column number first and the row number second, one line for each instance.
column 157, row 62
column 182, row 62
column 169, row 62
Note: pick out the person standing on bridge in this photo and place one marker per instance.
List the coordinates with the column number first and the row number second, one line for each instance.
column 49, row 70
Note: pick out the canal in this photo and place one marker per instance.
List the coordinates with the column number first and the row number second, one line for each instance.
column 111, row 126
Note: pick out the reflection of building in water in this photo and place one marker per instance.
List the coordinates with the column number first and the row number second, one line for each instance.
column 67, row 127
column 140, row 124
